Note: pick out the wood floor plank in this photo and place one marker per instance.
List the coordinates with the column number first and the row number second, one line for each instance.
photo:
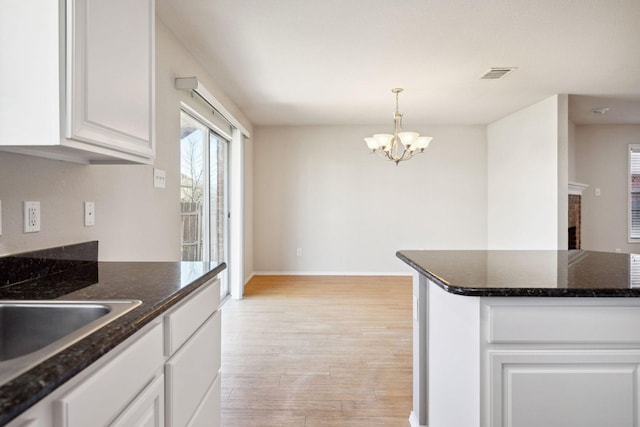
column 316, row 351
column 355, row 421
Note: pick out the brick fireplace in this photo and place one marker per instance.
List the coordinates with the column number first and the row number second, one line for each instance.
column 575, row 215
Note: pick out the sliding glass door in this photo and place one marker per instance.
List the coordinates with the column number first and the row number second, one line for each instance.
column 203, row 193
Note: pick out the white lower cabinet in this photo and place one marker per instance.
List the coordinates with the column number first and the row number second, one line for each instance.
column 101, row 398
column 525, row 361
column 564, row 388
column 192, row 370
column 562, row 362
column 167, row 374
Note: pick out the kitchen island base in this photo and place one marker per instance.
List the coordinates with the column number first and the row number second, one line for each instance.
column 524, row 361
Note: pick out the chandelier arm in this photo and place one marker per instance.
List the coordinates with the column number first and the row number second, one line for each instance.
column 406, row 154
column 383, row 154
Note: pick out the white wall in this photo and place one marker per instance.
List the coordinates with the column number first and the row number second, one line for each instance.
column 572, row 152
column 248, row 211
column 562, row 184
column 527, row 158
column 134, row 221
column 602, row 162
column 318, row 189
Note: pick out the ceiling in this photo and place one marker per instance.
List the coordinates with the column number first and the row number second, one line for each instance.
column 312, row 62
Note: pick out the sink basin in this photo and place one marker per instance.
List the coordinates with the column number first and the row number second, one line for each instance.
column 32, row 331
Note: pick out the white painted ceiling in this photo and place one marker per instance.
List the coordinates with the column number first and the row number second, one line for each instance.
column 313, row 62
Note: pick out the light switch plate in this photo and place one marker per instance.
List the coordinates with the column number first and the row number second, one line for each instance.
column 159, row 178
column 0, row 217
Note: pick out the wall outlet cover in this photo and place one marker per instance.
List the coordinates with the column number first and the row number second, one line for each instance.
column 31, row 217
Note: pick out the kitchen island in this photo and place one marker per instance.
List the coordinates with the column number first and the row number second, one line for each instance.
column 173, row 295
column 525, row 338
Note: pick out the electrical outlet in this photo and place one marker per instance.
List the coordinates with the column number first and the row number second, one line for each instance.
column 89, row 214
column 31, row 217
column 299, row 252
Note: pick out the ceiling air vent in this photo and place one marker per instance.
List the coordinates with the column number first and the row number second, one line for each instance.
column 497, row 73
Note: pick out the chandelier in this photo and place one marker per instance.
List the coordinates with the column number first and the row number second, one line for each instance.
column 401, row 145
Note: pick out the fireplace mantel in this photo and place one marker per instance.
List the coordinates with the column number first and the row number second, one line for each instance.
column 577, row 188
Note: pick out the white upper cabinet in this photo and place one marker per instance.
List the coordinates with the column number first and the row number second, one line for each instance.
column 110, row 74
column 77, row 79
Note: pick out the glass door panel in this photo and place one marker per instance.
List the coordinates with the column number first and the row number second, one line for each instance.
column 204, row 194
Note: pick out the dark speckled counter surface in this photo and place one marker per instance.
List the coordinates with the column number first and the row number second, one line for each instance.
column 159, row 285
column 529, row 273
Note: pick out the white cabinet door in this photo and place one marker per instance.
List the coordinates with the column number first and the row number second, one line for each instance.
column 110, row 74
column 78, row 87
column 148, row 408
column 208, row 413
column 564, row 388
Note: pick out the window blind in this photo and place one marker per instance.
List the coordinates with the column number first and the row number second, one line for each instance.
column 634, row 192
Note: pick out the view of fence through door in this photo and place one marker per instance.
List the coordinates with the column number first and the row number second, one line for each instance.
column 203, row 193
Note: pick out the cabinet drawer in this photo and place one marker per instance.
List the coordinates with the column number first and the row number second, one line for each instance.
column 563, row 324
column 96, row 401
column 190, row 372
column 186, row 318
column 208, row 413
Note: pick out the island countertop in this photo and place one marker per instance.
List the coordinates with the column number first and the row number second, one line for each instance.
column 527, row 273
column 159, row 285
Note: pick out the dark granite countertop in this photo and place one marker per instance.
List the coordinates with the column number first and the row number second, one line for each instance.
column 529, row 273
column 159, row 285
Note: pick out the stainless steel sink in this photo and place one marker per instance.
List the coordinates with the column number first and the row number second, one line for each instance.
column 32, row 331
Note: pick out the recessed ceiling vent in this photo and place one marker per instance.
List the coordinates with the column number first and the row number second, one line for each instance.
column 497, row 73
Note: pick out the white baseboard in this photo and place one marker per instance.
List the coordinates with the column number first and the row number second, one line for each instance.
column 329, row 273
column 246, row 280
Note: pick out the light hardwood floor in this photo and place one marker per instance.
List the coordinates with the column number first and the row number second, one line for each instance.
column 311, row 351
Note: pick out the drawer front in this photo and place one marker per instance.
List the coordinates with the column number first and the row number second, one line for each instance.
column 183, row 321
column 99, row 399
column 190, row 372
column 564, row 324
column 208, row 413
